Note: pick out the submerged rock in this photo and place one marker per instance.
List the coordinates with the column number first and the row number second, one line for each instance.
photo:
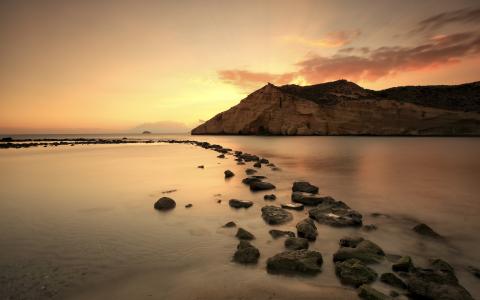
column 250, row 171
column 310, row 199
column 261, row 186
column 201, row 167
column 425, row 230
column 295, row 262
column 305, row 187
column 404, row 264
column 369, row 227
column 228, row 174
column 257, row 165
column 251, row 179
column 354, row 272
column 365, row 251
column 275, row 233
column 188, row 205
column 246, row 253
column 235, row 203
column 221, row 156
column 393, row 280
column 369, row 293
column 275, row 215
column 307, row 229
column 230, row 224
column 295, row 243
column 270, row 197
column 165, row 203
column 243, row 234
column 294, row 206
column 336, row 214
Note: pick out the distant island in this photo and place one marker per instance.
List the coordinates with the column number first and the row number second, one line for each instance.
column 344, row 108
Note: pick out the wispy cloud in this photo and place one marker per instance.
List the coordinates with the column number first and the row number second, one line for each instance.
column 466, row 15
column 330, row 40
column 248, row 80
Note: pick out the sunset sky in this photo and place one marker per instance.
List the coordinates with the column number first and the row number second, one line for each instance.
column 112, row 65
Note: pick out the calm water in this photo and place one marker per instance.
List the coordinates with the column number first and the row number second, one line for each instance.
column 78, row 222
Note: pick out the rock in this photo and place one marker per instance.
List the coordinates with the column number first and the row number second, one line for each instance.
column 369, row 293
column 437, row 282
column 294, row 206
column 257, row 165
column 235, row 203
column 201, row 167
column 394, row 294
column 261, row 186
column 365, row 251
column 240, row 163
column 250, row 171
column 295, row 243
column 404, row 264
column 276, row 169
column 250, row 180
column 229, row 174
column 369, row 227
column 243, row 234
column 310, row 200
column 305, row 187
column 246, row 253
column 221, row 156
column 264, row 161
column 275, row 215
column 393, row 280
column 230, row 224
column 219, row 200
column 336, row 214
column 307, row 229
column 350, row 241
column 270, row 197
column 295, row 262
column 354, row 272
column 275, row 233
column 425, row 230
column 165, row 203
column 188, row 205
column 441, row 265
column 474, row 271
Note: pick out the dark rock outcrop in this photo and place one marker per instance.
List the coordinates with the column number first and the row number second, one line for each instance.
column 424, row 229
column 165, row 203
column 295, row 261
column 335, row 213
column 296, row 243
column 261, row 186
column 304, row 187
column 310, row 199
column 243, row 234
column 354, row 272
column 228, row 174
column 275, row 233
column 246, row 253
column 307, row 229
column 393, row 280
column 235, row 203
column 275, row 215
column 365, row 251
column 369, row 293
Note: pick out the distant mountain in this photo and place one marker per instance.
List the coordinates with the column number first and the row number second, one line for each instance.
column 344, row 108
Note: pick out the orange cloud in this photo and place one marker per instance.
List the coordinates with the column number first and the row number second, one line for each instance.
column 331, row 40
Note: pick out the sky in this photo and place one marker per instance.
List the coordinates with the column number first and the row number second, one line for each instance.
column 116, row 65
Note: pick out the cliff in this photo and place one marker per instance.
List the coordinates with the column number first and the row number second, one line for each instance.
column 344, row 108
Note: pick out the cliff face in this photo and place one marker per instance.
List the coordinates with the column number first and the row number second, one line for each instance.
column 344, row 108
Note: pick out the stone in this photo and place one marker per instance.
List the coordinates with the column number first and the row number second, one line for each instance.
column 305, row 187
column 246, row 253
column 165, row 203
column 243, row 234
column 229, row 174
column 250, row 171
column 369, row 227
column 257, row 165
column 336, row 214
column 350, row 241
column 365, row 251
column 270, row 197
column 201, row 167
column 229, row 224
column 425, row 230
column 250, row 180
column 369, row 293
column 310, row 199
column 275, row 233
column 393, row 280
column 261, row 186
column 404, row 264
column 294, row 206
column 221, row 156
column 188, row 205
column 307, row 229
column 235, row 203
column 354, row 272
column 295, row 243
column 275, row 215
column 304, row 261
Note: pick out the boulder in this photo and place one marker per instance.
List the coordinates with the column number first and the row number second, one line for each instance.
column 235, row 203
column 261, row 186
column 404, row 264
column 251, row 179
column 270, row 197
column 246, row 253
column 310, row 199
column 275, row 233
column 365, row 251
column 354, row 272
column 336, row 214
column 307, row 229
column 350, row 241
column 243, row 234
column 369, row 293
column 304, row 186
column 229, row 174
column 165, row 203
column 294, row 206
column 295, row 243
column 229, row 224
column 425, row 230
column 275, row 215
column 295, row 262
column 393, row 280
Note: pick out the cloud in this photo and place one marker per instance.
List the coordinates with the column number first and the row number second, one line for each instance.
column 331, row 39
column 247, row 80
column 162, row 127
column 466, row 15
column 373, row 64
